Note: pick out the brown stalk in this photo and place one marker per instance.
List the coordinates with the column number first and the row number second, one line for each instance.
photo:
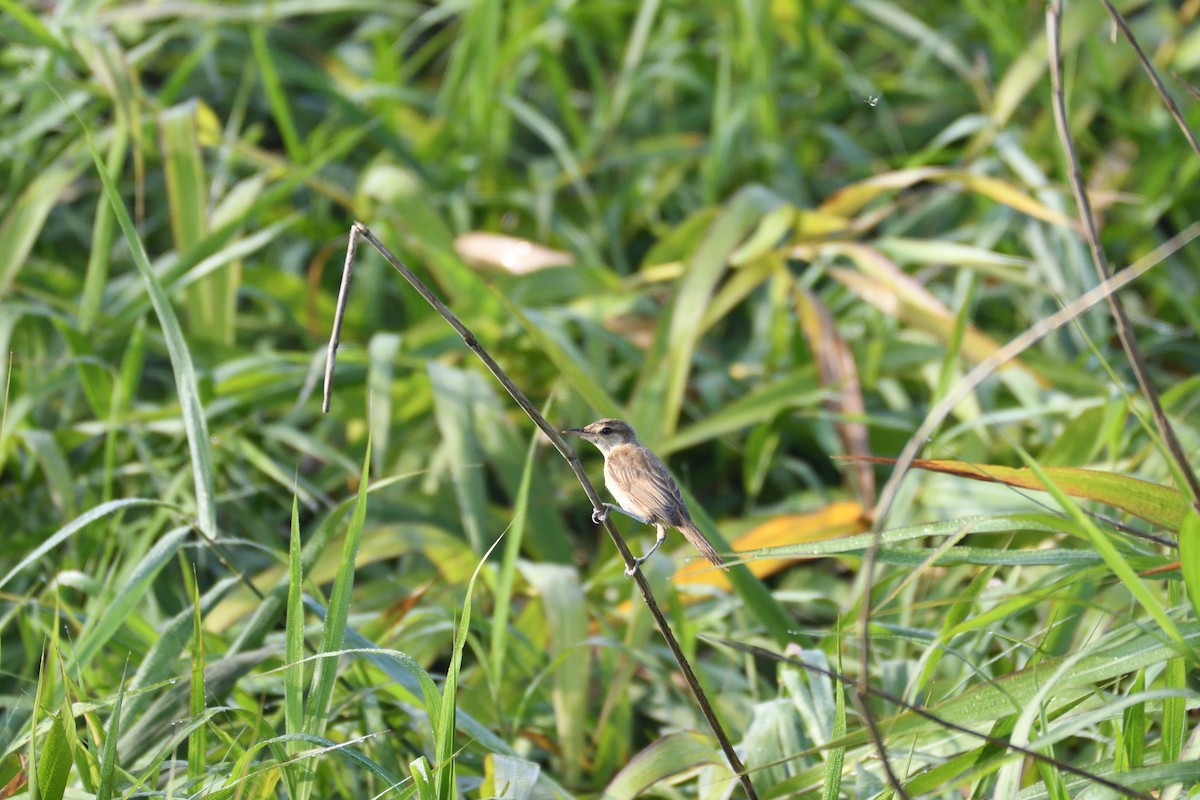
column 1168, row 101
column 357, row 231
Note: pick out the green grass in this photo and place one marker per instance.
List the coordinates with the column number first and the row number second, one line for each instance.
column 793, row 229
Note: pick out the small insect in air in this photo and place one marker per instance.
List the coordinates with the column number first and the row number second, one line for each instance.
column 872, row 100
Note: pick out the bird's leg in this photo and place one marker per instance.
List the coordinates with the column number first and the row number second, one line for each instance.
column 599, row 516
column 631, row 515
column 637, row 562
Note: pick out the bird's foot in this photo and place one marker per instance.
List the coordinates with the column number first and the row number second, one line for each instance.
column 598, row 515
column 637, row 564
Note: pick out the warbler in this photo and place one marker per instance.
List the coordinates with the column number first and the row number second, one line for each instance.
column 643, row 488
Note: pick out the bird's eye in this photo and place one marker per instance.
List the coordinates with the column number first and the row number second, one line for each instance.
column 606, row 431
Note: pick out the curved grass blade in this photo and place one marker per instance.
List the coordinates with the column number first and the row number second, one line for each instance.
column 445, row 723
column 668, row 756
column 134, row 586
column 321, row 691
column 186, row 385
column 74, row 526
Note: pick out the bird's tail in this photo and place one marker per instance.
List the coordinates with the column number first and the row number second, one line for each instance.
column 701, row 543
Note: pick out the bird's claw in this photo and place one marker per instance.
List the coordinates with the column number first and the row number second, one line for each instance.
column 637, row 564
column 598, row 516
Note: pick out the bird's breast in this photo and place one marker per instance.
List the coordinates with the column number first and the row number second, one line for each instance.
column 624, row 495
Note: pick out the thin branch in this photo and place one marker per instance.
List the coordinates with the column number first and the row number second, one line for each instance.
column 1124, row 332
column 358, row 230
column 863, row 687
column 1168, row 101
column 339, row 313
column 929, row 715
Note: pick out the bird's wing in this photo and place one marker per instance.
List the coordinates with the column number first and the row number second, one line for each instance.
column 645, row 482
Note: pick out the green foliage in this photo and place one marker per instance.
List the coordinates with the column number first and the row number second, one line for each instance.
column 778, row 233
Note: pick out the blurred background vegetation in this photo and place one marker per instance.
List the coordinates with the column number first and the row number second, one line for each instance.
column 768, row 233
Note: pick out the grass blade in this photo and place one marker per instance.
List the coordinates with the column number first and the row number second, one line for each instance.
column 659, row 401
column 293, row 685
column 445, row 724
column 197, row 744
column 1115, row 561
column 321, row 691
column 563, row 606
column 186, row 384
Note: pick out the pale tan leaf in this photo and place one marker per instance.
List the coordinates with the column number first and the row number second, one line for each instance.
column 509, row 253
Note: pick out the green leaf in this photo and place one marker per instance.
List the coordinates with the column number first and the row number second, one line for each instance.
column 799, row 389
column 160, row 663
column 45, row 449
column 422, row 779
column 659, row 400
column 1161, row 505
column 508, row 778
column 445, row 724
column 134, row 584
column 293, row 682
column 24, row 220
column 64, row 533
column 835, row 757
column 54, row 761
column 276, row 95
column 320, row 693
column 1115, row 561
column 142, row 740
column 570, row 363
column 754, row 593
column 498, row 654
column 670, row 755
column 94, row 379
column 108, row 757
column 381, row 358
column 267, row 610
column 562, row 602
column 197, row 762
column 1189, row 557
column 456, row 391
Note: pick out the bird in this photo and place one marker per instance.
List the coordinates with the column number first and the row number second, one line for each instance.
column 642, row 486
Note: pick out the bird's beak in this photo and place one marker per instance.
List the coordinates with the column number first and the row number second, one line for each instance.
column 576, row 431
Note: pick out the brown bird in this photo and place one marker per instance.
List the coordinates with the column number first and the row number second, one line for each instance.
column 643, row 488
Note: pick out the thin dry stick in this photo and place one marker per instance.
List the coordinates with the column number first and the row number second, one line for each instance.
column 929, row 715
column 1168, row 101
column 1128, row 341
column 358, row 230
column 862, row 690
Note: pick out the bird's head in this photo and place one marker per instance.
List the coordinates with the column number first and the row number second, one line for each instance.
column 606, row 433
